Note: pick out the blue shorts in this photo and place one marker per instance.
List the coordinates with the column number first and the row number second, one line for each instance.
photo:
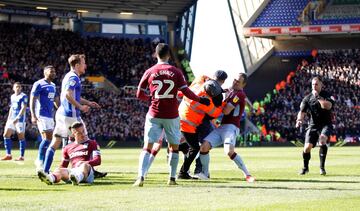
column 225, row 134
column 154, row 128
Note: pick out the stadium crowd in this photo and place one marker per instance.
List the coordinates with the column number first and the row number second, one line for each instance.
column 340, row 70
column 25, row 50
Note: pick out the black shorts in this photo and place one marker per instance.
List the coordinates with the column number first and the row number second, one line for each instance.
column 313, row 133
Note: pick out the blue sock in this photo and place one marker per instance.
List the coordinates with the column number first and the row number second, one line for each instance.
column 143, row 163
column 22, row 146
column 42, row 149
column 205, row 160
column 173, row 163
column 49, row 156
column 8, row 145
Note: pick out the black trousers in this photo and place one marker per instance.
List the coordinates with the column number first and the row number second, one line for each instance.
column 193, row 141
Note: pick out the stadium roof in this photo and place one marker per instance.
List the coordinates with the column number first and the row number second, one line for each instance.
column 169, row 8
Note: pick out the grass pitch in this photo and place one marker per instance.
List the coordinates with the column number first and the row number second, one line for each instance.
column 278, row 187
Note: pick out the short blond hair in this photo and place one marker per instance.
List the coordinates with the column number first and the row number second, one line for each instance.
column 75, row 59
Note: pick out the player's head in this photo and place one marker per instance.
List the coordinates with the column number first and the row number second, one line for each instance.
column 162, row 51
column 77, row 63
column 220, row 76
column 49, row 72
column 240, row 81
column 316, row 84
column 17, row 87
column 78, row 131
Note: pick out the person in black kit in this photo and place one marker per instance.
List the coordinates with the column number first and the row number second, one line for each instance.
column 319, row 105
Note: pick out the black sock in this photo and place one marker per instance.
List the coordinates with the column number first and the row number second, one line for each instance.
column 322, row 154
column 306, row 157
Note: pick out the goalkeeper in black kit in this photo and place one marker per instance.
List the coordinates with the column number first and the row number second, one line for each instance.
column 318, row 104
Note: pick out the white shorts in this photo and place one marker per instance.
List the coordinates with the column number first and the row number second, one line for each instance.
column 19, row 127
column 63, row 124
column 225, row 134
column 45, row 124
column 155, row 126
column 89, row 178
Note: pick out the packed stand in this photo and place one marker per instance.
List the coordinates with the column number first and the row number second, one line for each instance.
column 25, row 50
column 340, row 71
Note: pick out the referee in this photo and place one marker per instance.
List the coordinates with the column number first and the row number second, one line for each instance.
column 318, row 104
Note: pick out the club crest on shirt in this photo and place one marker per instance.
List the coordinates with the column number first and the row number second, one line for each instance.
column 236, row 98
column 72, row 83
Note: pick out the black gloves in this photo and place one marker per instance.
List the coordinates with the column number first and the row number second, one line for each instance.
column 204, row 100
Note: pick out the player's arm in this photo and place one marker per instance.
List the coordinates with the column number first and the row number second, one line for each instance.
column 34, row 95
column 142, row 87
column 300, row 119
column 96, row 155
column 302, row 112
column 57, row 102
column 69, row 96
column 22, row 110
column 326, row 103
column 192, row 96
column 65, row 159
column 33, row 99
column 10, row 114
column 92, row 104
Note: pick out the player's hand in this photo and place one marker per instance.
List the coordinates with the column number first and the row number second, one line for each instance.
column 93, row 104
column 84, row 108
column 298, row 123
column 34, row 119
column 204, row 100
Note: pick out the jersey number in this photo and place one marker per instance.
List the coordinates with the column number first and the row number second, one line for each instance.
column 160, row 86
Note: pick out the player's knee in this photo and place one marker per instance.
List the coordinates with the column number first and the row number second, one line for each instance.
column 205, row 147
column 21, row 136
column 173, row 147
column 323, row 139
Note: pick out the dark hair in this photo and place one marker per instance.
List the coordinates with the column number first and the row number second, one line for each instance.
column 220, row 75
column 76, row 125
column 162, row 50
column 49, row 67
column 244, row 77
column 75, row 59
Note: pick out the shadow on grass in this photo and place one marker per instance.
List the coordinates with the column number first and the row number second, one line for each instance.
column 284, row 188
column 29, row 189
column 305, row 180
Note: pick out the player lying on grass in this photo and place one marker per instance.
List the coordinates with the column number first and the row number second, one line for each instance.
column 83, row 155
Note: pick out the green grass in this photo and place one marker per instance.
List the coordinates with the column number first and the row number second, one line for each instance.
column 278, row 186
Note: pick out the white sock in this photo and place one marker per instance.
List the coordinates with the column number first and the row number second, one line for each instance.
column 240, row 163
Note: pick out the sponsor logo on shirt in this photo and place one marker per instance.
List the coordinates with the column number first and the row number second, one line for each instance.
column 236, row 98
column 78, row 154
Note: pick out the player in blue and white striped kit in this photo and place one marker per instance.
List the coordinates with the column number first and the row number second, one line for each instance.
column 16, row 122
column 43, row 97
column 71, row 103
